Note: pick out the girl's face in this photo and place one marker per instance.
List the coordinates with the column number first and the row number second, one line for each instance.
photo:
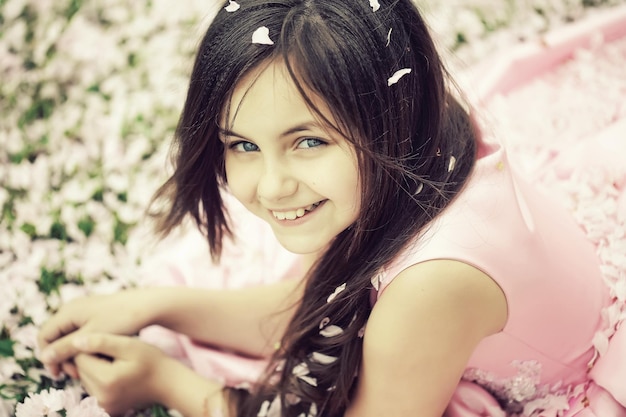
column 285, row 165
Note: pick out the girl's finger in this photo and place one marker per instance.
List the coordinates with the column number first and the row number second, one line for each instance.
column 91, row 366
column 100, row 379
column 53, row 369
column 57, row 326
column 60, row 351
column 69, row 369
column 89, row 373
column 107, row 345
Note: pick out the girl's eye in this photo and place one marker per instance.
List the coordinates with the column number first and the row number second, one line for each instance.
column 311, row 143
column 244, row 147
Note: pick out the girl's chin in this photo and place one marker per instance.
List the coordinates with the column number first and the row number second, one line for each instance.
column 302, row 247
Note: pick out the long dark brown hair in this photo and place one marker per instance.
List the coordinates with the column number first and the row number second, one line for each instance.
column 415, row 147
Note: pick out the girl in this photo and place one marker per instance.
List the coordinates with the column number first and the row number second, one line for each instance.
column 433, row 279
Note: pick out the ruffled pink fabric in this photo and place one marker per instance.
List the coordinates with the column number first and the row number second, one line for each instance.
column 604, row 395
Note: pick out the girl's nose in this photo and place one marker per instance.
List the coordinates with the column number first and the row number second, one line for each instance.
column 276, row 182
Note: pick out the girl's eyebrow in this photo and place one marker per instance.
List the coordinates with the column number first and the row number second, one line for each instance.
column 298, row 128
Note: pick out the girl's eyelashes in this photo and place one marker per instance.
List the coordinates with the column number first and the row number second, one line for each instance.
column 243, row 146
column 311, row 143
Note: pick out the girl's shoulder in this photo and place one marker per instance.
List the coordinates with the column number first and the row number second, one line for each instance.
column 421, row 333
column 440, row 291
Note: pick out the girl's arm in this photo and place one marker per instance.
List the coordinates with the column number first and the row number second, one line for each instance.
column 420, row 336
column 248, row 320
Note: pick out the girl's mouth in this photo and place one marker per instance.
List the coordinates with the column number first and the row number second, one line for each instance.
column 296, row 214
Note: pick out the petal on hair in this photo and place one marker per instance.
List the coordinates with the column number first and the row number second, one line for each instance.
column 301, row 371
column 389, row 37
column 376, row 281
column 313, row 410
column 322, row 358
column 335, row 293
column 274, row 410
column 264, row 409
column 262, row 36
column 361, row 332
column 324, row 322
column 375, row 5
column 309, row 380
column 420, row 188
column 331, row 331
column 451, row 164
column 397, row 75
column 233, row 6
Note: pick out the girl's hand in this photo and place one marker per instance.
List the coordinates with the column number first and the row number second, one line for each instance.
column 124, row 313
column 121, row 372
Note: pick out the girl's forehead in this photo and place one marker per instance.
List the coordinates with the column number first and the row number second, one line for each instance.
column 272, row 80
column 244, row 87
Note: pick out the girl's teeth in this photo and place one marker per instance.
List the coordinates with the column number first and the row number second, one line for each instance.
column 292, row 215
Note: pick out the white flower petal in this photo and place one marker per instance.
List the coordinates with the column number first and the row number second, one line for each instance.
column 324, row 322
column 375, row 5
column 397, row 75
column 270, row 409
column 233, row 6
column 361, row 332
column 335, row 293
column 301, row 369
column 389, row 37
column 376, row 281
column 264, row 408
column 331, row 331
column 309, row 380
column 322, row 358
column 451, row 164
column 262, row 36
column 275, row 407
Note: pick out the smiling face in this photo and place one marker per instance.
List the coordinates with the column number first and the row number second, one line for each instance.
column 285, row 165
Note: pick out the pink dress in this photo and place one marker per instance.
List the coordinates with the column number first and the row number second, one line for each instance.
column 560, row 310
